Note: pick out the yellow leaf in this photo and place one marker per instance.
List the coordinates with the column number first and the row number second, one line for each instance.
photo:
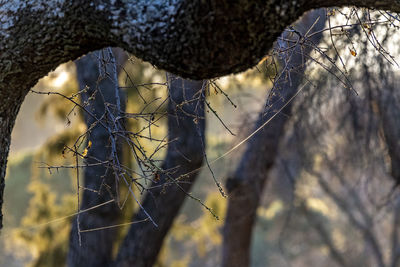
column 366, row 26
column 84, row 153
column 353, row 53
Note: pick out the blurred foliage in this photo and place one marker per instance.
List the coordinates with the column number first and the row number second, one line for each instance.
column 48, row 240
column 34, row 196
column 58, row 106
column 198, row 240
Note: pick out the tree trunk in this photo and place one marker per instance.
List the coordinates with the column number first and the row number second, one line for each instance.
column 246, row 184
column 186, row 130
column 99, row 181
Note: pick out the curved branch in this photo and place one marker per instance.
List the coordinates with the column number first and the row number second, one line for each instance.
column 195, row 39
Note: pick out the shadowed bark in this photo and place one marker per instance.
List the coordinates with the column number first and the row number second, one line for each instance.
column 7, row 120
column 100, row 180
column 246, row 184
column 186, row 129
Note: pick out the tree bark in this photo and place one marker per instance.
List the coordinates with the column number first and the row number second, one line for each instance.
column 100, row 185
column 7, row 120
column 190, row 38
column 186, row 133
column 246, row 184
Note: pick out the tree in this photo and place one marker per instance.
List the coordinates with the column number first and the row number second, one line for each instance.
column 245, row 186
column 98, row 83
column 104, row 114
column 166, row 194
column 345, row 148
column 188, row 38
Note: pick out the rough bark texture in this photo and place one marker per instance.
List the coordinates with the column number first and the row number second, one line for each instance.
column 31, row 44
column 193, row 38
column 96, row 248
column 185, row 153
column 7, row 119
column 246, row 184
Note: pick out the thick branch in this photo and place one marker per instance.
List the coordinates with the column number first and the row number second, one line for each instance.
column 196, row 39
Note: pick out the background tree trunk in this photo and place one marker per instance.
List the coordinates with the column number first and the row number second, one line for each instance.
column 246, row 184
column 100, row 183
column 186, row 134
